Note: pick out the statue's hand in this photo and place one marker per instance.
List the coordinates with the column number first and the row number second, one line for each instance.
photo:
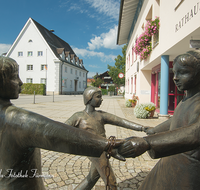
column 114, row 151
column 133, row 147
column 149, row 131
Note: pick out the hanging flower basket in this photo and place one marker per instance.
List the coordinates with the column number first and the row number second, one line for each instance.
column 143, row 45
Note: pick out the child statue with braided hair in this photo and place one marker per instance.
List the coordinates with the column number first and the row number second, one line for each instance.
column 94, row 121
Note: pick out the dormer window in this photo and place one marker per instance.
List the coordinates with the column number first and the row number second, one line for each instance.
column 30, row 41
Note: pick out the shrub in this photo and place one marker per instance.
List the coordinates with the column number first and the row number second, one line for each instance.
column 140, row 111
column 104, row 91
column 128, row 103
column 143, row 110
column 29, row 88
column 150, row 106
column 111, row 89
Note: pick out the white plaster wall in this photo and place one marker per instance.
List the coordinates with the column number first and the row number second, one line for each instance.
column 171, row 41
column 53, row 72
column 37, row 44
column 72, row 77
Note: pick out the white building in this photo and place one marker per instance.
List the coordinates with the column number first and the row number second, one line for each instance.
column 45, row 58
column 152, row 79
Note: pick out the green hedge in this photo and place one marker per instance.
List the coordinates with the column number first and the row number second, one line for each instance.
column 29, row 88
column 104, row 91
column 111, row 89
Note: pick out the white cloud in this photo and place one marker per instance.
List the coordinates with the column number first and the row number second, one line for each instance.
column 107, row 7
column 91, row 74
column 88, row 53
column 4, row 48
column 94, row 66
column 106, row 40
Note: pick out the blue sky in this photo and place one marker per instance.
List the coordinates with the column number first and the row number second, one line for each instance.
column 88, row 26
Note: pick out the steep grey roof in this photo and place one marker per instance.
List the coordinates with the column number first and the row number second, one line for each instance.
column 56, row 44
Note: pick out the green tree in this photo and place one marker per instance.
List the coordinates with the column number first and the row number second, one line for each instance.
column 118, row 68
column 97, row 81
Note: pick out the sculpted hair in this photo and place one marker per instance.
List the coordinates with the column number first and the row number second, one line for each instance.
column 191, row 58
column 88, row 94
column 7, row 67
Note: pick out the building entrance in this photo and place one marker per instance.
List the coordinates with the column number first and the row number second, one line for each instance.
column 174, row 95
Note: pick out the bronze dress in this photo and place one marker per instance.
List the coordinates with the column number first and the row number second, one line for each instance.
column 182, row 170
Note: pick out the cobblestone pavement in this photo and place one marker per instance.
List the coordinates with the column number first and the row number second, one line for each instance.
column 64, row 171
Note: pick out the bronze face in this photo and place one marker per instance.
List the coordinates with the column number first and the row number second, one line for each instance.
column 96, row 99
column 184, row 76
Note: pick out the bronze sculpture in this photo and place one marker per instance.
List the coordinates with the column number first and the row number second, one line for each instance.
column 176, row 141
column 23, row 133
column 94, row 121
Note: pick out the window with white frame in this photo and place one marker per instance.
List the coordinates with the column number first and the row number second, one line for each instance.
column 43, row 67
column 80, row 74
column 83, row 74
column 70, row 83
column 20, row 54
column 65, row 83
column 76, row 72
column 30, row 54
column 29, row 80
column 84, row 84
column 132, row 56
column 65, row 69
column 40, row 53
column 79, row 84
column 29, row 67
column 128, row 85
column 43, row 80
column 71, row 71
column 131, row 85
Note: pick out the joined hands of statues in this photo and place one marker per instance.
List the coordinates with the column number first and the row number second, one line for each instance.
column 149, row 130
column 133, row 147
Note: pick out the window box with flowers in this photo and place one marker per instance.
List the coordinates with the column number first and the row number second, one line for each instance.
column 143, row 45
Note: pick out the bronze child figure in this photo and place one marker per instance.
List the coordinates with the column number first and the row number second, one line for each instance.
column 23, row 133
column 176, row 141
column 93, row 121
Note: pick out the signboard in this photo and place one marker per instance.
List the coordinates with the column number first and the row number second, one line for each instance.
column 120, row 75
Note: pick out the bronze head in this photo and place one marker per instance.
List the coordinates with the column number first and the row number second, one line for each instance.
column 88, row 94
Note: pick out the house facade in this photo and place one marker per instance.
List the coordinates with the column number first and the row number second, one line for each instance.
column 152, row 78
column 107, row 80
column 45, row 58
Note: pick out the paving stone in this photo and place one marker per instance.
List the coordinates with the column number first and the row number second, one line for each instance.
column 69, row 170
